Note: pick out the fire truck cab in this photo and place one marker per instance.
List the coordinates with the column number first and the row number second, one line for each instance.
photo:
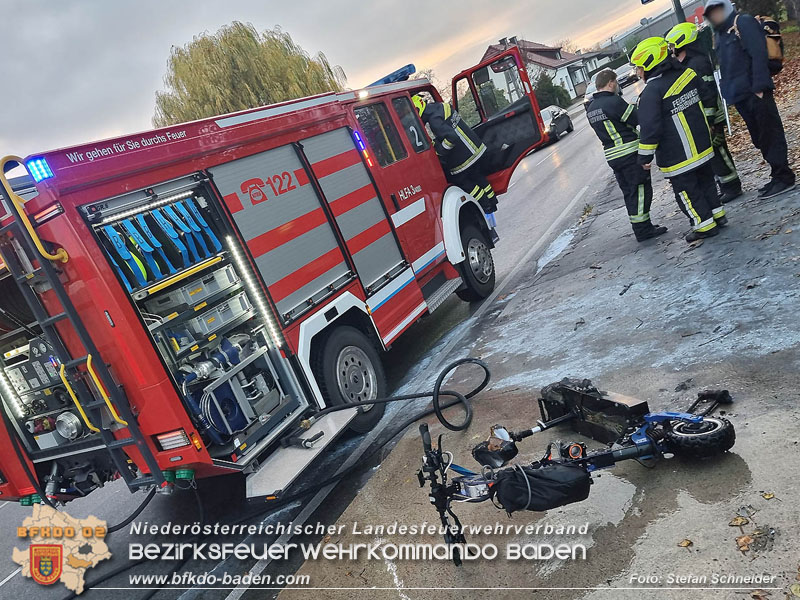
column 175, row 303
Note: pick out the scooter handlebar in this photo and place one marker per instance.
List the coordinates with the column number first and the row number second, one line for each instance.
column 426, row 437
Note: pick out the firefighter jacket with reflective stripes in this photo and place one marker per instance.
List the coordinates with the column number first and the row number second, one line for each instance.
column 672, row 121
column 457, row 145
column 614, row 121
column 699, row 62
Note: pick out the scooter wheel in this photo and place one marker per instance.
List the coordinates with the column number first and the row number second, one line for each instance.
column 713, row 435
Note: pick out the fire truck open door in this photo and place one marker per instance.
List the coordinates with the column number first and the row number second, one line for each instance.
column 496, row 99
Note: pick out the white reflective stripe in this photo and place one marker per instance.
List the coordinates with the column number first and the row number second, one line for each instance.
column 447, row 144
column 405, row 323
column 689, row 166
column 427, row 258
column 468, row 163
column 687, row 148
column 282, row 110
column 641, row 199
column 467, row 142
column 375, row 301
column 705, row 225
column 404, row 215
column 687, row 204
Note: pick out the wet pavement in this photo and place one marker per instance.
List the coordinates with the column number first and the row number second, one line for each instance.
column 541, row 202
column 659, row 321
column 576, row 297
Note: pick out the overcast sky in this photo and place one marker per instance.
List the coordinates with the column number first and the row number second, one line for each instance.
column 77, row 71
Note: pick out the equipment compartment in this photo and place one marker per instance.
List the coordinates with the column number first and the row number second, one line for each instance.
column 175, row 254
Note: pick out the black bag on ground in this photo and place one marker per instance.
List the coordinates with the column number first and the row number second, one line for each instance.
column 540, row 489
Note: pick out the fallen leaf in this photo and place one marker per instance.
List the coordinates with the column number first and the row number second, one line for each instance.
column 795, row 589
column 685, row 543
column 788, row 231
column 739, row 521
column 743, row 542
column 768, row 495
column 759, row 594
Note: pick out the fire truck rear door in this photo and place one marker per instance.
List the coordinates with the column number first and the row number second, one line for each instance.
column 284, row 225
column 496, row 99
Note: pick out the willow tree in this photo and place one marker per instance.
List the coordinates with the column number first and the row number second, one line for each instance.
column 238, row 68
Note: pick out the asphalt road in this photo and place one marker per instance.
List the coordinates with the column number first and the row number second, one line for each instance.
column 546, row 195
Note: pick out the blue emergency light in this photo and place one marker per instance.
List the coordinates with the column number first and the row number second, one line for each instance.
column 402, row 74
column 39, row 169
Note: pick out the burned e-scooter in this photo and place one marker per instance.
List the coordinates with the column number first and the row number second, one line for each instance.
column 563, row 475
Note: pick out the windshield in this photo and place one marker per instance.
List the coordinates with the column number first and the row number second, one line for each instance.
column 547, row 115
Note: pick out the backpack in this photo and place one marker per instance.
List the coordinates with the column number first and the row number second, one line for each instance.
column 772, row 32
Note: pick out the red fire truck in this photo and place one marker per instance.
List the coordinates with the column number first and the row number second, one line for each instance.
column 174, row 302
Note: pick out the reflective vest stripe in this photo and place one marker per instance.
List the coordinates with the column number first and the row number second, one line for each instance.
column 469, row 162
column 688, row 165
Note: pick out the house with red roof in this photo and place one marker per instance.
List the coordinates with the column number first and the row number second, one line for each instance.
column 567, row 69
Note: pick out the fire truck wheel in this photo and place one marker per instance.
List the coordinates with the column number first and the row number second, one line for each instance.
column 477, row 270
column 349, row 370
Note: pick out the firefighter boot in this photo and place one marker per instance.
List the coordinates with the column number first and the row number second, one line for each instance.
column 648, row 231
column 730, row 191
column 694, row 236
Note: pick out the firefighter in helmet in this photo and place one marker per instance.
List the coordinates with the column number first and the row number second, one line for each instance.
column 461, row 152
column 686, row 48
column 673, row 127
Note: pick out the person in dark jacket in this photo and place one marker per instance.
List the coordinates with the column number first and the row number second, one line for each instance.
column 686, row 48
column 673, row 127
column 615, row 122
column 741, row 47
column 460, row 150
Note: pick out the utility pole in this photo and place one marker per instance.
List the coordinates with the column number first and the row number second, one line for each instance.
column 679, row 11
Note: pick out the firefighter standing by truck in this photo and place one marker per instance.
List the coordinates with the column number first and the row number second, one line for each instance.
column 615, row 122
column 673, row 128
column 461, row 152
column 683, row 38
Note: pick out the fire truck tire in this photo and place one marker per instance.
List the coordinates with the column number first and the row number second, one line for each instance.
column 349, row 369
column 477, row 269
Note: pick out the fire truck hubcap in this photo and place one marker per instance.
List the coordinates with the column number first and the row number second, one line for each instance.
column 356, row 376
column 480, row 260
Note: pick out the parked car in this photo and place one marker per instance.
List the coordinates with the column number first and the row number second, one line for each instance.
column 556, row 121
column 626, row 75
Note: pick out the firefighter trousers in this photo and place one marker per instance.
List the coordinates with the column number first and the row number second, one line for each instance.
column 637, row 190
column 722, row 163
column 474, row 182
column 696, row 194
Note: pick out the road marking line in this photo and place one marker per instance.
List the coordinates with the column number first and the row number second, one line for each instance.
column 320, row 496
column 6, row 580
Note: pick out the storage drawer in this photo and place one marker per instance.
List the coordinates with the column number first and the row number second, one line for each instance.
column 219, row 315
column 195, row 292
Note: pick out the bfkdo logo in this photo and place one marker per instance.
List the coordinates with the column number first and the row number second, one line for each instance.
column 62, row 548
column 46, row 562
